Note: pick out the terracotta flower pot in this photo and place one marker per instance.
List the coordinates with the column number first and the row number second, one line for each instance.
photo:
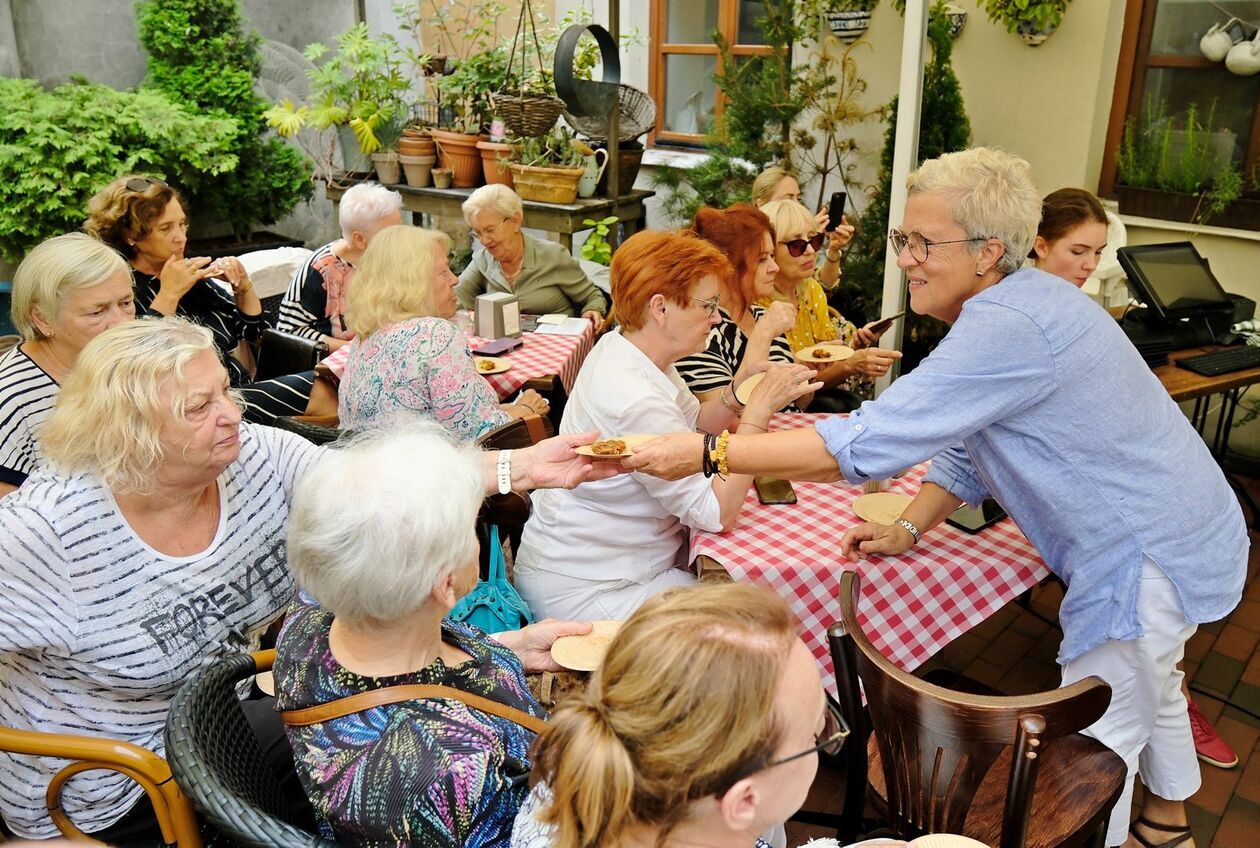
column 458, row 151
column 494, row 162
column 386, row 167
column 417, row 145
column 546, row 185
column 417, row 169
column 442, row 177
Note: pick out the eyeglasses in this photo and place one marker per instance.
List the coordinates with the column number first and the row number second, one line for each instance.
column 919, row 245
column 144, row 183
column 796, row 247
column 830, row 741
column 480, row 235
column 710, row 306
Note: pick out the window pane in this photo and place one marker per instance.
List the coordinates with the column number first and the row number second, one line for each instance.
column 690, row 22
column 690, row 93
column 750, row 12
column 1179, row 24
column 1235, row 98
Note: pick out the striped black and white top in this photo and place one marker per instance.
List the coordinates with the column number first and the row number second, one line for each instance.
column 98, row 630
column 27, row 395
column 211, row 305
column 304, row 309
column 715, row 366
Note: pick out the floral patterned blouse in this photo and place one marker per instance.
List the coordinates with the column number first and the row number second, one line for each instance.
column 421, row 365
column 813, row 320
column 433, row 773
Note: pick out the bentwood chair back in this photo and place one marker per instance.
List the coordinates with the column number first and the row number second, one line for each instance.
column 175, row 814
column 219, row 763
column 1008, row 771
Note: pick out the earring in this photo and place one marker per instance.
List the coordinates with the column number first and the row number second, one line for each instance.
column 979, row 273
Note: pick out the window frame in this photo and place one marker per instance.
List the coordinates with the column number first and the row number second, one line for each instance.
column 728, row 25
column 1131, row 67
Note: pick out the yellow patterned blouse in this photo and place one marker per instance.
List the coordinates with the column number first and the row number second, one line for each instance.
column 813, row 322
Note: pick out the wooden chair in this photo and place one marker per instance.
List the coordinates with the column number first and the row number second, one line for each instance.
column 1008, row 771
column 510, row 512
column 175, row 814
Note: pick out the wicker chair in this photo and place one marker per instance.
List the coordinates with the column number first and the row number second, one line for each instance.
column 218, row 762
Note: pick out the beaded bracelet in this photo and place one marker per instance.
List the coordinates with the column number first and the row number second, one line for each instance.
column 706, row 457
column 720, row 454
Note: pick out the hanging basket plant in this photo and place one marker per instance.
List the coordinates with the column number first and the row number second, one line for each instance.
column 848, row 20
column 530, row 107
column 1032, row 20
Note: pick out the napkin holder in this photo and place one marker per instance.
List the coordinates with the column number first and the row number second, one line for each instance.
column 497, row 315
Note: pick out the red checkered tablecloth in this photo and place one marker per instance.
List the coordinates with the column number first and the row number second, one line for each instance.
column 538, row 356
column 911, row 606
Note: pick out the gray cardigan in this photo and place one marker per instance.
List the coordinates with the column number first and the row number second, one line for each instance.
column 550, row 281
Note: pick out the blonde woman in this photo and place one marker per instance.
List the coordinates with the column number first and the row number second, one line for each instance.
column 797, row 242
column 410, row 358
column 67, row 290
column 702, row 726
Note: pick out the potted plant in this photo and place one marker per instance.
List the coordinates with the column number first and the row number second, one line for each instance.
column 495, row 159
column 849, row 19
column 442, row 177
column 358, row 90
column 385, row 160
column 1182, row 170
column 1033, row 20
column 547, row 168
column 596, row 247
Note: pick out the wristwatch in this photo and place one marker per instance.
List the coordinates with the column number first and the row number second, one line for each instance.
column 914, row 531
column 503, row 470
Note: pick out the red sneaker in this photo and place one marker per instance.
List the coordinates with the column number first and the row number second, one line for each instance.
column 1208, row 744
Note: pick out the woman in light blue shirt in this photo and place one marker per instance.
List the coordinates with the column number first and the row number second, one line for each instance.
column 1037, row 398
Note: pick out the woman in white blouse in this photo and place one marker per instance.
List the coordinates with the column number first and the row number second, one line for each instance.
column 599, row 551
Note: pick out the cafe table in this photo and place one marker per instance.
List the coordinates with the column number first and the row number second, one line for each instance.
column 538, row 356
column 911, row 606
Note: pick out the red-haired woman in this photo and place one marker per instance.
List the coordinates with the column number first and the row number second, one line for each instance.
column 747, row 335
column 603, row 549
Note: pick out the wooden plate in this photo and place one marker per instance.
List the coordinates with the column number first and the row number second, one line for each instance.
column 836, row 353
column 946, row 840
column 585, row 653
column 881, row 507
column 497, row 365
column 631, row 442
column 745, row 390
column 266, row 683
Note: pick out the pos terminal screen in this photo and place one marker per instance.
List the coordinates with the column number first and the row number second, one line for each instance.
column 1173, row 279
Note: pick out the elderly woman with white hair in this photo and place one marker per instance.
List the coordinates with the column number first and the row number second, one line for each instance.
column 543, row 275
column 149, row 545
column 1097, row 465
column 378, row 576
column 409, row 357
column 67, row 290
column 315, row 304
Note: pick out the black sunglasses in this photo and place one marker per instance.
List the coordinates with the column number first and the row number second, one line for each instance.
column 144, row 183
column 796, row 247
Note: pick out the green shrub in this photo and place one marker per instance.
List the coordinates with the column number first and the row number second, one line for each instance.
column 58, row 148
column 201, row 57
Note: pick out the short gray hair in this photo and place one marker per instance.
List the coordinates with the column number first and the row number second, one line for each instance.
column 365, row 204
column 492, row 198
column 54, row 267
column 991, row 195
column 407, row 501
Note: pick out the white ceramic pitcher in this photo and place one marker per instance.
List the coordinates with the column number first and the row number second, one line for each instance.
column 1244, row 57
column 592, row 170
column 1217, row 41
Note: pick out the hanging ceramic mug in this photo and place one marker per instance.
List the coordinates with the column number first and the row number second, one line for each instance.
column 1217, row 41
column 1244, row 57
column 592, row 170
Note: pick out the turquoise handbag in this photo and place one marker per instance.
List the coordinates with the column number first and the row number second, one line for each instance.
column 493, row 605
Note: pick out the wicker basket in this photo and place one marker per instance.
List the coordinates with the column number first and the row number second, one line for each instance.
column 546, row 185
column 638, row 114
column 527, row 114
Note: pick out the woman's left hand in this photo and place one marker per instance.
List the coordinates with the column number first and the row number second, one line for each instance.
column 669, row 457
column 840, row 237
column 532, row 644
column 866, row 337
column 554, row 464
column 594, row 317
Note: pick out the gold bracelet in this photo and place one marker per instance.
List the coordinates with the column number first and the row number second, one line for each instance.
column 719, row 453
column 835, row 258
column 737, row 407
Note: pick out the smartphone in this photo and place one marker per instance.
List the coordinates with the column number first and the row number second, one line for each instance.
column 835, row 209
column 881, row 326
column 498, row 347
column 974, row 520
column 772, row 490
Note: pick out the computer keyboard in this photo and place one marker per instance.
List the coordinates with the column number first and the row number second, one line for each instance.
column 1222, row 361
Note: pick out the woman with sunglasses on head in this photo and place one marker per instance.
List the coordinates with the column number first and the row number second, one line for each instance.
column 1097, row 465
column 796, row 250
column 143, row 218
column 702, row 726
column 543, row 275
column 603, row 549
